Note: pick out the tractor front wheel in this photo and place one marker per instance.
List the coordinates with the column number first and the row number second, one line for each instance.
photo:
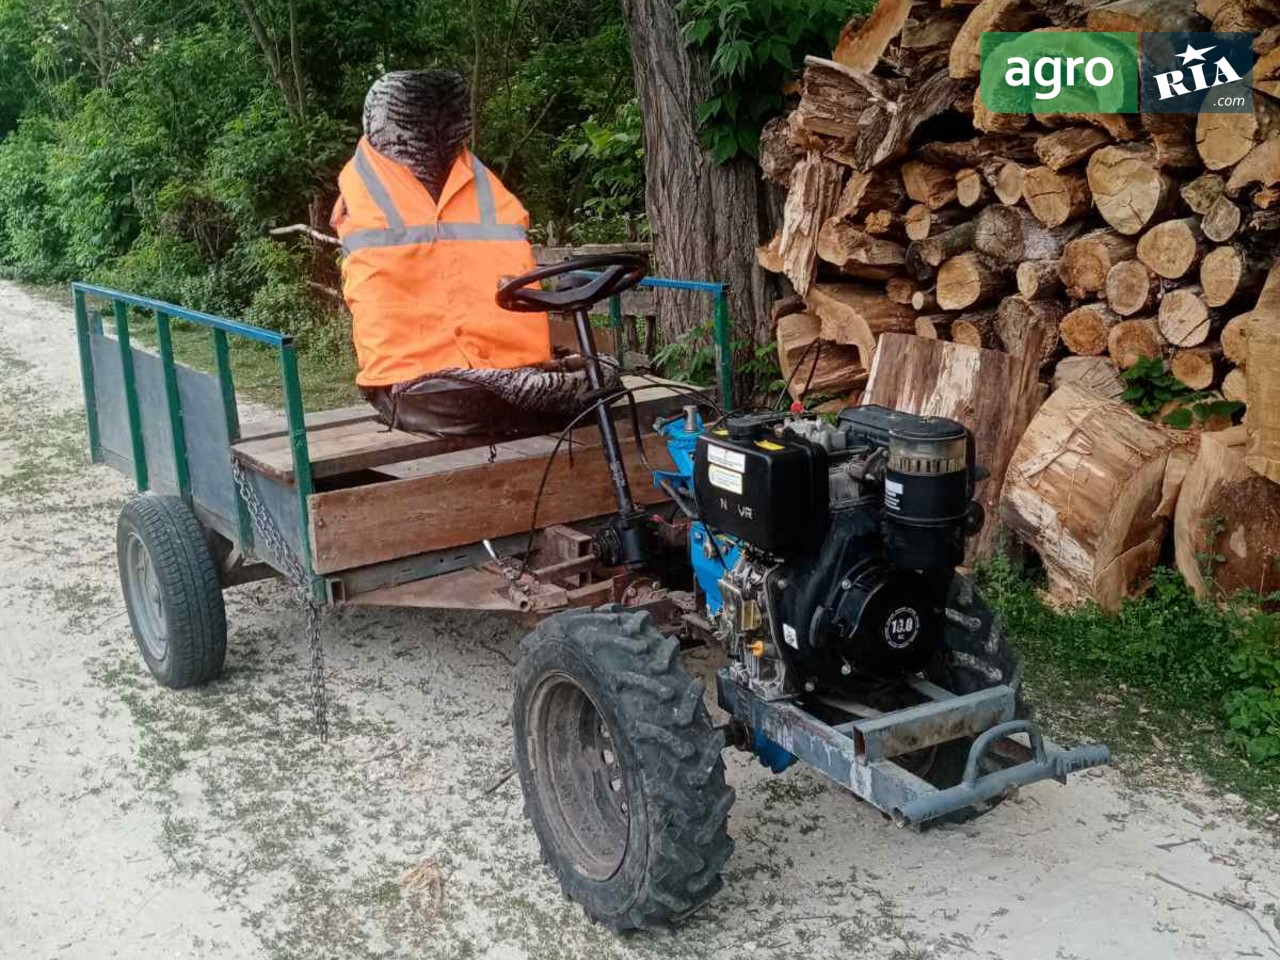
column 621, row 768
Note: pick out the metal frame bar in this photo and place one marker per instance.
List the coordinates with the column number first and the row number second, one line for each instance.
column 136, row 444
column 86, row 377
column 231, row 415
column 173, row 400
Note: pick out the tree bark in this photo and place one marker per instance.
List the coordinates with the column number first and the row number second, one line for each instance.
column 707, row 218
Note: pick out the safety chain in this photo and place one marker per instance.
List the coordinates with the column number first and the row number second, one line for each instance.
column 269, row 534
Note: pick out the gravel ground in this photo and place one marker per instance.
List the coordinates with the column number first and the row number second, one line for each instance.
column 210, row 823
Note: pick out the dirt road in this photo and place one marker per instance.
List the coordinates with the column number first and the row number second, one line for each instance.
column 135, row 821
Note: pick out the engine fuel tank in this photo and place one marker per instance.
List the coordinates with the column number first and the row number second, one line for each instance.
column 768, row 489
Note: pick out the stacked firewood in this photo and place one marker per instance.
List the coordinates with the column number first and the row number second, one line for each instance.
column 913, row 209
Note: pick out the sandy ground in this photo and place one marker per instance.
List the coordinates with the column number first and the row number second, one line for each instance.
column 136, row 821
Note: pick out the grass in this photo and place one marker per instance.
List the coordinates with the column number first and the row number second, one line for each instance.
column 1170, row 682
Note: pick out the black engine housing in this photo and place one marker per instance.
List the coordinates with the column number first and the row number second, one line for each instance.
column 857, row 528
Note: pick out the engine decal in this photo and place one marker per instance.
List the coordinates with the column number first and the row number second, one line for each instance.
column 724, row 479
column 733, row 460
column 790, row 636
column 902, row 627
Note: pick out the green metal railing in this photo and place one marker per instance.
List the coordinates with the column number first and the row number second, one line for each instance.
column 220, row 328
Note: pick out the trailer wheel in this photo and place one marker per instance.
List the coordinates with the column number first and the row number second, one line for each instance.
column 171, row 590
column 621, row 768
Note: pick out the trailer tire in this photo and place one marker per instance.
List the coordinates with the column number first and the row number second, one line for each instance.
column 621, row 768
column 171, row 590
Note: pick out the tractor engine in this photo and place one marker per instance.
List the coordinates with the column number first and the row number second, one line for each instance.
column 833, row 545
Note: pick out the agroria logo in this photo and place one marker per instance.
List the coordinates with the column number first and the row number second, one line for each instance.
column 1080, row 72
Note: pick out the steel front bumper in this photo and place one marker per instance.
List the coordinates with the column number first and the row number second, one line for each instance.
column 859, row 755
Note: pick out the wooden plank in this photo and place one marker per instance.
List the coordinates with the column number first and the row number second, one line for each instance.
column 276, row 426
column 386, row 521
column 342, row 448
column 352, row 441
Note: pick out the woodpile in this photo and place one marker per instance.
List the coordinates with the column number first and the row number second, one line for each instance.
column 1082, row 245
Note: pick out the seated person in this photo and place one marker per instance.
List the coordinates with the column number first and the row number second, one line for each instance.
column 428, row 234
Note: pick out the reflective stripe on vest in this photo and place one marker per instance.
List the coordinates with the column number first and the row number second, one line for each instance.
column 396, row 234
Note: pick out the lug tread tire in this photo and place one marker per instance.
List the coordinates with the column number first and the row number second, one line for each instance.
column 661, row 712
column 195, row 615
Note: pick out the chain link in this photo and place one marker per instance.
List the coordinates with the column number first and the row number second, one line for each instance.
column 268, row 533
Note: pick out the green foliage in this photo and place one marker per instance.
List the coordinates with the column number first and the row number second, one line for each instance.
column 155, row 154
column 1151, row 387
column 754, row 48
column 690, row 358
column 1218, row 661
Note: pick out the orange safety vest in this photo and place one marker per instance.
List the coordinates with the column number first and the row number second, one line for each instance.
column 420, row 277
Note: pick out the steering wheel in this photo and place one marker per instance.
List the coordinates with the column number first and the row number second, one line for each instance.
column 617, row 272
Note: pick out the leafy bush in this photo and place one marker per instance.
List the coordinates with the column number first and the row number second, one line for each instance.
column 1150, row 387
column 1222, row 661
column 754, row 49
column 614, row 156
column 31, row 241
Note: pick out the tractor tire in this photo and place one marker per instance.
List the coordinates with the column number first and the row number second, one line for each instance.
column 974, row 656
column 171, row 591
column 621, row 768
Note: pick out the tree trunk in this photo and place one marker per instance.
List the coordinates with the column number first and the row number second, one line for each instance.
column 707, row 218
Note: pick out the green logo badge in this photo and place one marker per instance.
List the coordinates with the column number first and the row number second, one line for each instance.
column 1051, row 71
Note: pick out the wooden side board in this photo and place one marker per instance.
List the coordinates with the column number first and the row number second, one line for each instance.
column 471, row 502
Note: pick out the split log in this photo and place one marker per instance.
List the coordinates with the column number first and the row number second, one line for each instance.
column 1235, row 386
column 1055, row 196
column 1039, row 279
column 919, row 222
column 1012, row 234
column 1139, row 16
column 769, row 256
column 1262, row 455
column 1224, row 139
column 1203, row 192
column 1129, row 189
column 863, row 48
column 1197, row 367
column 1007, row 179
column 1087, row 260
column 811, row 366
column 933, row 326
column 811, row 201
column 857, row 253
column 1226, row 530
column 1183, row 317
column 880, row 223
column 1069, row 146
column 1091, row 487
column 976, row 329
column 931, row 185
column 1096, row 374
column 1221, row 221
column 1230, row 273
column 987, row 17
column 971, row 188
column 855, row 315
column 967, row 281
column 834, row 97
column 950, row 243
column 1173, row 138
column 924, row 301
column 992, row 393
column 1017, row 317
column 1235, row 339
column 1172, row 248
column 884, row 128
column 901, row 289
column 1131, row 340
column 1084, row 330
column 1131, row 288
column 784, row 307
column 868, row 191
column 1261, row 167
column 988, row 121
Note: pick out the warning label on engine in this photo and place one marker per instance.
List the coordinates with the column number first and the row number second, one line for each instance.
column 724, row 479
column 729, row 459
column 892, row 496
